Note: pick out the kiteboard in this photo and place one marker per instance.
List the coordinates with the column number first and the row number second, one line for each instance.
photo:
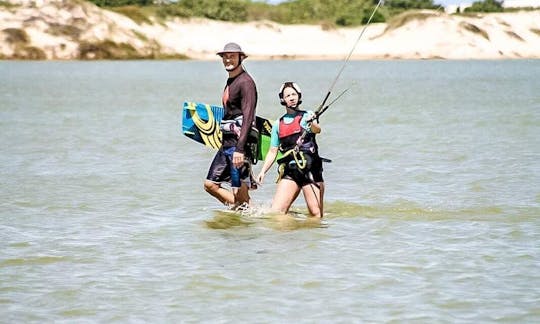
column 201, row 122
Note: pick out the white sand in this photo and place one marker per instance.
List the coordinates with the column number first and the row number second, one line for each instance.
column 505, row 35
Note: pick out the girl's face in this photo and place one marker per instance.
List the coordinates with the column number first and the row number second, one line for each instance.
column 290, row 96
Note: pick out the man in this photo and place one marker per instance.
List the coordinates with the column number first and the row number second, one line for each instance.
column 232, row 161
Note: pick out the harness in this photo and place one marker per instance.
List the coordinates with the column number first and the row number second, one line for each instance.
column 297, row 151
column 231, row 127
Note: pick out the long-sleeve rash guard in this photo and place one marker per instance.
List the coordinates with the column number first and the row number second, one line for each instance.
column 239, row 99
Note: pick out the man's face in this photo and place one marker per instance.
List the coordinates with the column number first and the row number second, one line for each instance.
column 231, row 60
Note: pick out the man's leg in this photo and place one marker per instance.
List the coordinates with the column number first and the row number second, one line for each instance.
column 241, row 195
column 225, row 196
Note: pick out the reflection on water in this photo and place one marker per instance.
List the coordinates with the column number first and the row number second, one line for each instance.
column 294, row 220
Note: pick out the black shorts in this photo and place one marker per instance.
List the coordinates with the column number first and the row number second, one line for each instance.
column 313, row 174
column 222, row 169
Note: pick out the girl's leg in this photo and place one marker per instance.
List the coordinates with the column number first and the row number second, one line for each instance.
column 286, row 193
column 314, row 196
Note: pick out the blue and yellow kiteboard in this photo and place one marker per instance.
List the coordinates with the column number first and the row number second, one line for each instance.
column 201, row 122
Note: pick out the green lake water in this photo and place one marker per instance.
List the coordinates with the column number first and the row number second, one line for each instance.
column 432, row 200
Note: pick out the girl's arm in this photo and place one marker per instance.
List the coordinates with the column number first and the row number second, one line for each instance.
column 268, row 161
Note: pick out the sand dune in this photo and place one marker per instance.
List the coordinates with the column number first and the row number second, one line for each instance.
column 70, row 29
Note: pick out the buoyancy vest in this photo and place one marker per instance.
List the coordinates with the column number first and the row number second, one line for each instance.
column 290, row 133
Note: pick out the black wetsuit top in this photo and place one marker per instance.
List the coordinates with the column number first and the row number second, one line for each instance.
column 239, row 99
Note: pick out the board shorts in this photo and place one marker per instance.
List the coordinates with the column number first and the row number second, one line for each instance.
column 313, row 174
column 222, row 169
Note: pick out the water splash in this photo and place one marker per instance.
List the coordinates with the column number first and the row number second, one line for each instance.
column 262, row 215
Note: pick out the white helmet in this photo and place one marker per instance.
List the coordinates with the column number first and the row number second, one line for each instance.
column 290, row 84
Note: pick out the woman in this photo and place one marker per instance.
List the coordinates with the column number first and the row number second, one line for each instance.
column 300, row 167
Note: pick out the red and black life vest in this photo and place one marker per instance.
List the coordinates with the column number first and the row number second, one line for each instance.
column 291, row 132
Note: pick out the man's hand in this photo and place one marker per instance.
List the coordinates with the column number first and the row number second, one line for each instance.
column 238, row 159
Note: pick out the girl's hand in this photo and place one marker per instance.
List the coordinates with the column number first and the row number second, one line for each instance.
column 306, row 121
column 260, row 177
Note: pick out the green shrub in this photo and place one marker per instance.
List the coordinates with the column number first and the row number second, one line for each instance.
column 16, row 36
column 121, row 3
column 340, row 12
column 173, row 10
column 474, row 29
column 64, row 30
column 19, row 39
column 107, row 50
column 27, row 53
column 406, row 17
column 411, row 4
column 486, row 6
column 259, row 11
column 227, row 10
column 514, row 35
column 8, row 5
column 31, row 53
column 378, row 17
column 169, row 57
column 134, row 13
column 516, row 9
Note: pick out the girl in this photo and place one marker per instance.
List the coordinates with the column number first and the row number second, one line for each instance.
column 300, row 168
